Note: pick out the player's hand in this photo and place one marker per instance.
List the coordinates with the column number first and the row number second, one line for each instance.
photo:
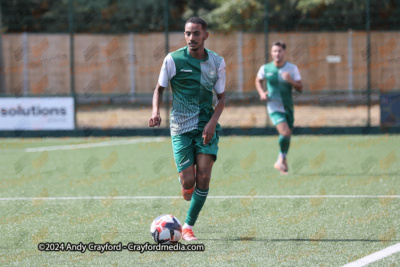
column 208, row 132
column 264, row 96
column 300, row 90
column 286, row 77
column 155, row 120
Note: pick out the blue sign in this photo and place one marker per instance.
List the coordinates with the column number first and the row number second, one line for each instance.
column 390, row 110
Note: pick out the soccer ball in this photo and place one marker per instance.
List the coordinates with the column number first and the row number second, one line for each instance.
column 166, row 229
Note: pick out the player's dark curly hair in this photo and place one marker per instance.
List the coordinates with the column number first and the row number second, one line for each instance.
column 197, row 20
column 280, row 43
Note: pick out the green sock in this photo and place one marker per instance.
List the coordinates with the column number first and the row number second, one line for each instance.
column 196, row 204
column 284, row 143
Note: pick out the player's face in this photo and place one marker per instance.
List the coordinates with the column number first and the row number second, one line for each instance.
column 277, row 53
column 195, row 36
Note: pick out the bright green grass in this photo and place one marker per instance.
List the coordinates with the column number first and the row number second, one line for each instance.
column 247, row 231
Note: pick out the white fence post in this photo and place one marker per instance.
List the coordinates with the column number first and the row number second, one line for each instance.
column 350, row 62
column 240, row 63
column 25, row 51
column 132, row 60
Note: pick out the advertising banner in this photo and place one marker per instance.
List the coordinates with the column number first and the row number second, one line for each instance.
column 37, row 113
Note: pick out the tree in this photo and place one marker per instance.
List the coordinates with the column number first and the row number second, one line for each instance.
column 120, row 16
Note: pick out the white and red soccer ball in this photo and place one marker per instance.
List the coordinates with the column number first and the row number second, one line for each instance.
column 166, row 229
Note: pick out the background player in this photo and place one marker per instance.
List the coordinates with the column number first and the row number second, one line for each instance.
column 281, row 77
column 193, row 72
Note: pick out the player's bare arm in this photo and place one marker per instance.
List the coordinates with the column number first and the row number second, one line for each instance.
column 209, row 129
column 155, row 119
column 259, row 86
column 297, row 85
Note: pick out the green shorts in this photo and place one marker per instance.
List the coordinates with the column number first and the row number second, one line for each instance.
column 186, row 146
column 278, row 117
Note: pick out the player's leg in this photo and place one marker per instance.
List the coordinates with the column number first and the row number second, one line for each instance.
column 204, row 163
column 187, row 178
column 286, row 133
column 283, row 124
column 183, row 147
column 284, row 142
column 206, row 155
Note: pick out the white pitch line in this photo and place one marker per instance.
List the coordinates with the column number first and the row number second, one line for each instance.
column 91, row 145
column 386, row 252
column 314, row 196
column 175, row 197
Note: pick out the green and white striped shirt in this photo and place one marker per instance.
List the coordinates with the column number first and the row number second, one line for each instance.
column 279, row 90
column 192, row 81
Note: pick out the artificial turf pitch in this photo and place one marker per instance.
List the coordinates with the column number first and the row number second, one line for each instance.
column 339, row 203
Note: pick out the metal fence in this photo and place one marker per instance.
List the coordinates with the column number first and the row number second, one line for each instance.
column 108, row 56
